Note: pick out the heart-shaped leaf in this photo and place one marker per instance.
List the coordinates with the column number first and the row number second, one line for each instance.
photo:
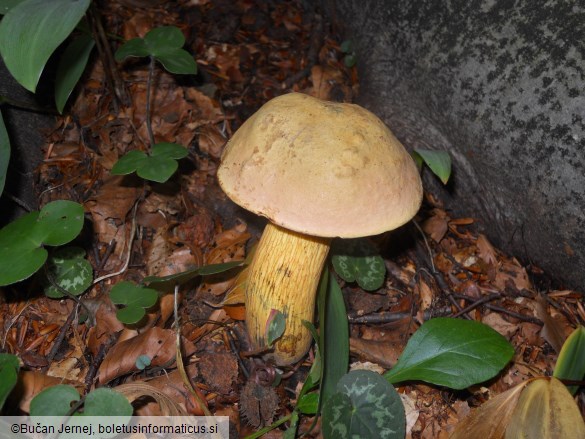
column 21, row 251
column 54, row 401
column 136, row 300
column 32, row 30
column 70, row 270
column 365, row 406
column 159, row 166
column 358, row 260
column 453, row 353
column 165, row 45
column 9, row 366
column 106, row 402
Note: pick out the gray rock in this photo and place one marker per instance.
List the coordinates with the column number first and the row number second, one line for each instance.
column 499, row 85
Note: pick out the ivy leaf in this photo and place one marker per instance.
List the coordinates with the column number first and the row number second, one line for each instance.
column 136, row 300
column 365, row 406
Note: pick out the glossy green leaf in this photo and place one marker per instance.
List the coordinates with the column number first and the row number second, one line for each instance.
column 71, row 65
column 178, row 61
column 453, row 353
column 59, row 222
column 32, row 30
column 9, row 366
column 162, row 39
column 357, row 260
column 4, row 153
column 136, row 300
column 438, row 161
column 54, row 401
column 275, row 326
column 571, row 362
column 70, row 270
column 335, row 339
column 167, row 283
column 364, row 406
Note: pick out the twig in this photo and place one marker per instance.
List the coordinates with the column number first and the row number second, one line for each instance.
column 477, row 303
column 59, row 339
column 391, row 317
column 97, row 361
column 131, row 240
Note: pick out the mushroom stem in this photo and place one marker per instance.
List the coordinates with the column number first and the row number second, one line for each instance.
column 284, row 276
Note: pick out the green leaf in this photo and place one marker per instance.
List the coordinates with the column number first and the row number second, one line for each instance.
column 4, row 153
column 164, row 44
column 59, row 222
column 309, row 404
column 335, row 339
column 167, row 283
column 129, row 163
column 159, row 166
column 438, row 161
column 70, row 270
column 20, row 256
column 21, row 252
column 275, row 326
column 135, row 47
column 32, row 30
column 364, row 406
column 453, row 353
column 54, row 401
column 7, row 5
column 142, row 362
column 9, row 366
column 135, row 299
column 178, row 61
column 162, row 39
column 358, row 260
column 71, row 65
column 106, row 402
column 571, row 362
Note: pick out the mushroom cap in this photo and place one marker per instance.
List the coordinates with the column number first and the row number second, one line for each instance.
column 321, row 168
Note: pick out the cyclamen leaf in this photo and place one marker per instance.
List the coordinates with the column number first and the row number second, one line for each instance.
column 453, row 353
column 365, row 406
column 70, row 270
column 358, row 260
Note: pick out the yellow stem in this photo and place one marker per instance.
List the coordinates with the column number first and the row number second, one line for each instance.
column 284, row 276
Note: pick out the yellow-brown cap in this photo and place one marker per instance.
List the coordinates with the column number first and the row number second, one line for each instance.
column 321, row 168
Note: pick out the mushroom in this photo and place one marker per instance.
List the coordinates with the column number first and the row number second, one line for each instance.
column 317, row 170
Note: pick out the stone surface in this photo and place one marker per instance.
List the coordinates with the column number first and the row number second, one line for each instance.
column 498, row 84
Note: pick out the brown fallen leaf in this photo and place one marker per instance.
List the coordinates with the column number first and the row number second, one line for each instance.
column 32, row 382
column 381, row 352
column 168, row 405
column 485, row 250
column 552, row 330
column 437, row 225
column 157, row 343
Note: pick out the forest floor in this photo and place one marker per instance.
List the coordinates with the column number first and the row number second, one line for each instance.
column 247, row 52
